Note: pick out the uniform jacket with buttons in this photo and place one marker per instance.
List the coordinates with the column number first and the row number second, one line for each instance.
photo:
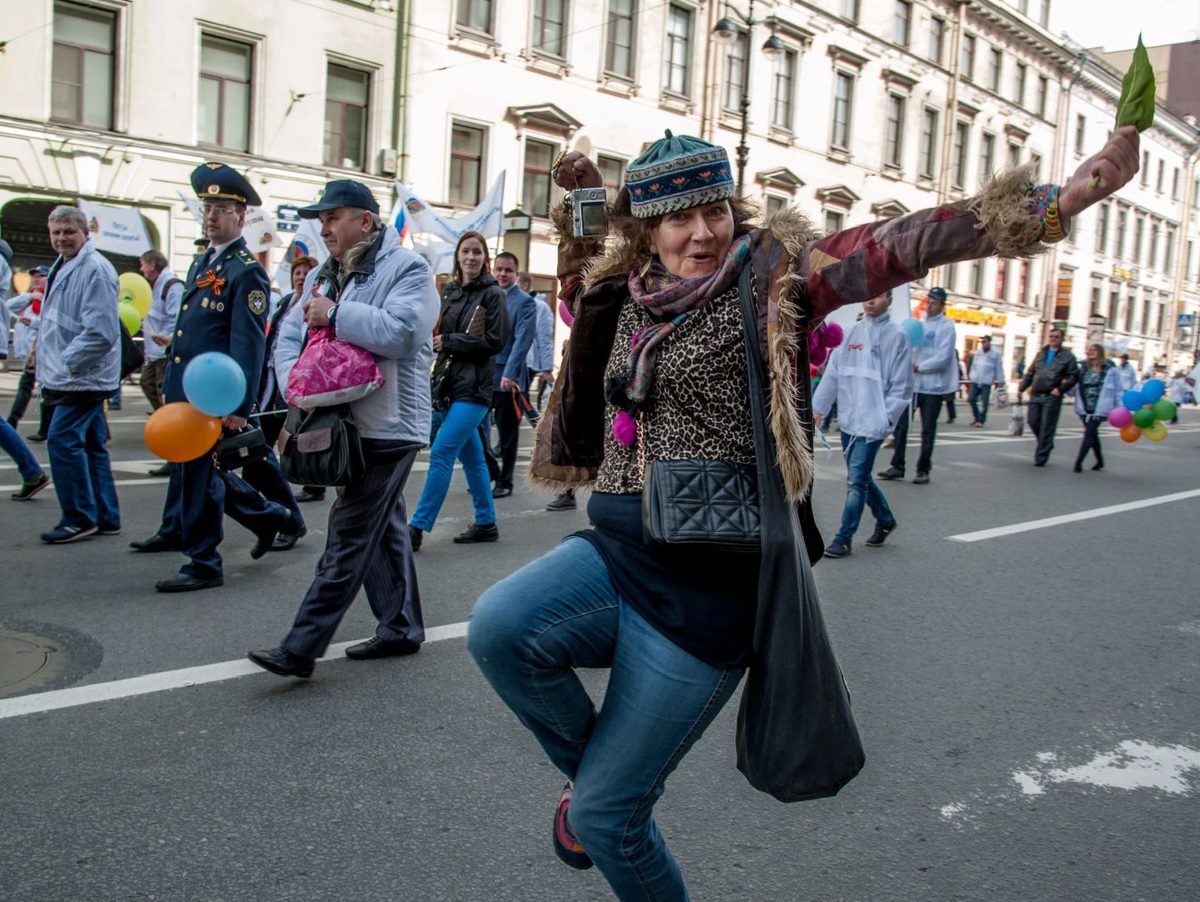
column 223, row 308
column 79, row 336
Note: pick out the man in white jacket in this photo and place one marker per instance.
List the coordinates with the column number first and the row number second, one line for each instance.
column 987, row 371
column 870, row 376
column 936, row 369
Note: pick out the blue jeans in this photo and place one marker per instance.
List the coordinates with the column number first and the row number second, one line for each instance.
column 79, row 464
column 528, row 633
column 979, row 396
column 457, row 437
column 14, row 446
column 860, row 486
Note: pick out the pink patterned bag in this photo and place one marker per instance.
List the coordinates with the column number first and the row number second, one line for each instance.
column 331, row 371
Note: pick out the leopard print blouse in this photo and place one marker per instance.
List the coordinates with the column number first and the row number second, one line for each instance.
column 699, row 405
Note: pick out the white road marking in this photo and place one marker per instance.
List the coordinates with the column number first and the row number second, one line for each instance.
column 174, row 679
column 1029, row 525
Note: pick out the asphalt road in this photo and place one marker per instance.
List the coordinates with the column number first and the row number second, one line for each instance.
column 1028, row 703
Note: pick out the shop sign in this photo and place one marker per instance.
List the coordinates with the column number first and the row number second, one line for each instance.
column 977, row 317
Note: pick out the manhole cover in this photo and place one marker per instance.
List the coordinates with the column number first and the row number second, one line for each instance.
column 28, row 661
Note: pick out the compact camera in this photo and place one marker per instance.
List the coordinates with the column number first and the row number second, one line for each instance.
column 589, row 217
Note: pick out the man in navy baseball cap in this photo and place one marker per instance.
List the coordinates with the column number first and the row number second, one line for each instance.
column 342, row 193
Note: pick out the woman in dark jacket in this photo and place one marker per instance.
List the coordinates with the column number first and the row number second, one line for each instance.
column 471, row 330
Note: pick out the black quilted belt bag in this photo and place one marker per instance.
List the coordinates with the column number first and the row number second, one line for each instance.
column 702, row 503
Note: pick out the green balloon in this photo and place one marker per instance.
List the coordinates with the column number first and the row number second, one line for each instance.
column 1163, row 409
column 1143, row 418
column 130, row 317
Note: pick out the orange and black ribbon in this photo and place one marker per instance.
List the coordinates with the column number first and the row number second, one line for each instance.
column 210, row 280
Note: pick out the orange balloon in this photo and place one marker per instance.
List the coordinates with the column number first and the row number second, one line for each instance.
column 178, row 432
column 1131, row 433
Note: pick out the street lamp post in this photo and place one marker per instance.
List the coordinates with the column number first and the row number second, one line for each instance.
column 725, row 31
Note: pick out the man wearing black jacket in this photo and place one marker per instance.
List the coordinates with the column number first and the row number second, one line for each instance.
column 1052, row 374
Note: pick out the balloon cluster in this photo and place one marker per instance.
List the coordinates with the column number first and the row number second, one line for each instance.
column 822, row 340
column 215, row 386
column 915, row 331
column 1142, row 412
column 133, row 300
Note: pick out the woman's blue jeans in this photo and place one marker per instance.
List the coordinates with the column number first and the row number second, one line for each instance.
column 528, row 633
column 861, row 489
column 14, row 446
column 458, row 437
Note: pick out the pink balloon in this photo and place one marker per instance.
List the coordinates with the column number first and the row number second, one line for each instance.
column 1120, row 417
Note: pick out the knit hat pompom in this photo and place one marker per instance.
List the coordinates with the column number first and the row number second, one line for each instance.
column 819, row 356
column 624, row 429
column 831, row 335
column 565, row 312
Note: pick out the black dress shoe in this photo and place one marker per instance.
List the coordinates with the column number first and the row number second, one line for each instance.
column 310, row 495
column 415, row 536
column 154, row 544
column 382, row 648
column 287, row 540
column 502, row 491
column 477, row 533
column 891, row 473
column 281, row 661
column 265, row 541
column 164, row 470
column 185, row 583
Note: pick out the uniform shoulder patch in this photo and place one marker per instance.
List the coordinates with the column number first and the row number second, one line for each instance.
column 257, row 301
column 246, row 257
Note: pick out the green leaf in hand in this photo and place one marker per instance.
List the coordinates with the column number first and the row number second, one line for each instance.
column 1136, row 106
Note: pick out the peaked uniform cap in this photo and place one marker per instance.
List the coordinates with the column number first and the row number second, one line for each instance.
column 216, row 181
column 675, row 173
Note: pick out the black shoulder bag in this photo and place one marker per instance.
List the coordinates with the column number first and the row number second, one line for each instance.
column 324, row 449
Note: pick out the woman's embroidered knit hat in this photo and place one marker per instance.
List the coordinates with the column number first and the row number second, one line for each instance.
column 676, row 173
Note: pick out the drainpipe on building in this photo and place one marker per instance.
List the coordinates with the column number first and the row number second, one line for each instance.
column 951, row 115
column 1181, row 261
column 400, row 90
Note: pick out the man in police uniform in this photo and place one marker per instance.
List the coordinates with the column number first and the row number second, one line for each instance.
column 224, row 308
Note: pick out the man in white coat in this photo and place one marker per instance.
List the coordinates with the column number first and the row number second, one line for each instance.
column 987, row 372
column 1127, row 373
column 936, row 369
column 870, row 376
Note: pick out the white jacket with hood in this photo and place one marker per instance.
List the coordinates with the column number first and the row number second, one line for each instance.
column 937, row 362
column 79, row 336
column 870, row 376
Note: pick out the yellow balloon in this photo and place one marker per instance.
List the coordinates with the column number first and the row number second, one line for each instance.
column 135, row 290
column 129, row 316
column 1157, row 432
column 21, row 282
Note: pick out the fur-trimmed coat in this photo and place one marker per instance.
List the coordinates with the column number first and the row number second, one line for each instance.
column 800, row 279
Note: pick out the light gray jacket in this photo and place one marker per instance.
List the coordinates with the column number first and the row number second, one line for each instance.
column 391, row 314
column 79, row 337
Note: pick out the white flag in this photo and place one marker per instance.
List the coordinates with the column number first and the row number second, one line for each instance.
column 487, row 218
column 118, row 230
column 259, row 231
column 438, row 254
column 194, row 208
column 306, row 240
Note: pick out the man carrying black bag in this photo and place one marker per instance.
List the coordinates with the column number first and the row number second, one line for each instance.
column 378, row 296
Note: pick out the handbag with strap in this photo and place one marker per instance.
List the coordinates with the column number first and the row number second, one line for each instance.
column 324, row 448
column 236, row 449
column 702, row 502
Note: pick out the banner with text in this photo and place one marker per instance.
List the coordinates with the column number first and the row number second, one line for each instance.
column 117, row 230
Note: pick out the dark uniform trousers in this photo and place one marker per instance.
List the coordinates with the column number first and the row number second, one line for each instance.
column 930, row 406
column 1044, row 411
column 508, row 424
column 368, row 545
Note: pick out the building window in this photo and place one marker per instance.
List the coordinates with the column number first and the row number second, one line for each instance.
column 962, row 137
column 346, row 94
column 893, row 154
column 977, row 278
column 618, row 54
column 612, row 170
column 929, row 137
column 987, row 158
column 1014, row 155
column 1138, row 224
column 677, row 66
column 966, row 62
column 82, row 76
column 774, row 204
column 902, row 23
column 1169, row 251
column 1080, row 134
column 1019, row 77
column 225, row 93
column 1043, row 96
column 537, row 187
column 995, row 61
column 1188, row 270
column 549, row 26
column 843, row 108
column 783, row 90
column 1162, row 319
column 1102, row 212
column 1122, row 221
column 1152, row 254
column 1130, row 307
column 1097, row 299
column 1114, row 307
column 1175, row 184
column 1158, row 184
column 475, row 14
column 1146, row 313
column 735, row 72
column 834, row 221
column 850, row 10
column 937, row 39
column 1145, row 168
column 466, row 164
column 1002, row 279
column 1035, row 159
column 1023, row 284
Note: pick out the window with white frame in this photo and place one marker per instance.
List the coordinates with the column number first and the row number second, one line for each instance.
column 902, row 22
column 677, row 63
column 225, row 77
column 1169, row 251
column 1036, row 160
column 927, row 156
column 843, row 110
column 783, row 90
column 735, row 72
column 834, row 221
column 550, row 26
column 1145, row 168
column 1122, row 222
column 995, row 63
column 1102, row 214
column 1019, row 78
column 1152, row 251
column 1139, row 225
column 1158, row 184
column 619, row 34
column 937, row 40
column 1014, row 154
column 1175, row 184
column 966, row 60
column 466, row 163
column 774, row 203
column 893, row 152
column 977, row 278
column 1080, row 133
column 83, row 66
column 347, row 93
column 537, row 187
column 987, row 157
column 612, row 171
column 962, row 137
column 850, row 10
column 1042, row 98
column 474, row 14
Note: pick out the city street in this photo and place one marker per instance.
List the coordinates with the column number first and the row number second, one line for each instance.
column 1028, row 696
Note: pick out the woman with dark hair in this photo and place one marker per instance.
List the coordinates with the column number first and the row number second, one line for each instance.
column 471, row 330
column 659, row 370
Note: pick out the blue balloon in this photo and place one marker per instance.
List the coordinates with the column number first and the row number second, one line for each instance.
column 1153, row 390
column 214, row 384
column 914, row 330
column 1133, row 399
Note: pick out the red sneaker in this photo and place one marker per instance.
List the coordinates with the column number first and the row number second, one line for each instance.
column 566, row 846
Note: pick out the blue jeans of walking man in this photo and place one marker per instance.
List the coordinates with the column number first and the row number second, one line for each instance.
column 979, row 397
column 80, row 467
column 861, row 489
column 14, row 446
column 457, row 437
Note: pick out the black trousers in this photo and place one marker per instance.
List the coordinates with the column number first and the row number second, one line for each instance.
column 1091, row 440
column 25, row 388
column 930, row 407
column 1044, row 411
column 509, row 426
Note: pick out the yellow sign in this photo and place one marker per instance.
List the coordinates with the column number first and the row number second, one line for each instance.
column 959, row 315
column 1120, row 272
